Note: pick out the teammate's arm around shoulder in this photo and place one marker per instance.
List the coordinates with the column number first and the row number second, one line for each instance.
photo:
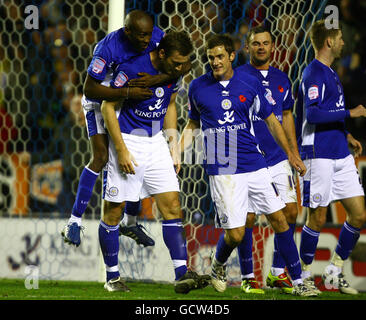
column 279, row 135
column 125, row 158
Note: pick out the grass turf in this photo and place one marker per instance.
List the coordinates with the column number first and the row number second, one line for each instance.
column 14, row 289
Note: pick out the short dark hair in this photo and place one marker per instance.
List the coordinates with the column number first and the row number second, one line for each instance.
column 176, row 41
column 256, row 30
column 216, row 40
column 319, row 33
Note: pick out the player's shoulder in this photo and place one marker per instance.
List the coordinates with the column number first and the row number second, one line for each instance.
column 314, row 70
column 278, row 73
column 201, row 82
column 246, row 79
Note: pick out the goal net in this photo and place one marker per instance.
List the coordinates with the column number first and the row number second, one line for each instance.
column 44, row 147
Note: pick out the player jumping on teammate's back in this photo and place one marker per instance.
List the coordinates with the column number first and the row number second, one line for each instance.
column 139, row 150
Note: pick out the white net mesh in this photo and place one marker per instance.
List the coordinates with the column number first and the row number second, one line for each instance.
column 43, row 145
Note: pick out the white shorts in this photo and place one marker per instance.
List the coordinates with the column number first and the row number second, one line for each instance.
column 231, row 194
column 93, row 117
column 154, row 174
column 282, row 176
column 328, row 180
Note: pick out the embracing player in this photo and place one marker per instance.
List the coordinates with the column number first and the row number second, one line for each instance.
column 139, row 149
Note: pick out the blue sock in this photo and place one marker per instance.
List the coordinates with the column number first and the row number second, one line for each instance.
column 245, row 252
column 174, row 238
column 288, row 250
column 132, row 208
column 84, row 192
column 347, row 240
column 223, row 250
column 109, row 244
column 278, row 261
column 308, row 244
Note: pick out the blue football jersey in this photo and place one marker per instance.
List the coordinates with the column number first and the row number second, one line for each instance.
column 225, row 114
column 321, row 113
column 142, row 117
column 115, row 49
column 278, row 87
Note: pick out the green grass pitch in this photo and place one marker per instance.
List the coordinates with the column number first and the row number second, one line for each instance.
column 14, row 289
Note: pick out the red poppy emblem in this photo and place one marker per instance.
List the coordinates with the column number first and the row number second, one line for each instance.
column 242, row 98
column 280, row 89
column 169, row 85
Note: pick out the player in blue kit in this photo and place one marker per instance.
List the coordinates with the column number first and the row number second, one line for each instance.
column 222, row 104
column 140, row 163
column 260, row 45
column 138, row 37
column 324, row 146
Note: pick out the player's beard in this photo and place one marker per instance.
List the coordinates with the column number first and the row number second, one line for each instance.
column 258, row 62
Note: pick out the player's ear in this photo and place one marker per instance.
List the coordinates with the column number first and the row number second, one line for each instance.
column 161, row 54
column 232, row 56
column 329, row 42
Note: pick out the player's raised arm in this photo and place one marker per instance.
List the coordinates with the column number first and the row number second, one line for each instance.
column 278, row 133
column 126, row 161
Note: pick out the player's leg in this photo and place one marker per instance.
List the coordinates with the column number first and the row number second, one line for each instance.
column 174, row 238
column 283, row 178
column 88, row 177
column 130, row 228
column 229, row 194
column 356, row 217
column 109, row 245
column 277, row 276
column 265, row 198
column 245, row 254
column 316, row 191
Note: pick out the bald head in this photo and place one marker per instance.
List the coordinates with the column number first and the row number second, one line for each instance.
column 138, row 29
column 136, row 18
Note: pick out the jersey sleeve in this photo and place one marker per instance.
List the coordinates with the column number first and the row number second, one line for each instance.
column 193, row 112
column 119, row 80
column 316, row 109
column 102, row 58
column 264, row 101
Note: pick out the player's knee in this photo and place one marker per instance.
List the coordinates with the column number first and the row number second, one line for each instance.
column 316, row 221
column 290, row 212
column 235, row 236
column 250, row 220
column 278, row 221
column 99, row 161
column 172, row 210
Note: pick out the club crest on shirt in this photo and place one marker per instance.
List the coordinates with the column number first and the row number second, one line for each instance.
column 226, row 104
column 313, row 92
column 98, row 65
column 317, row 197
column 159, row 92
column 113, row 191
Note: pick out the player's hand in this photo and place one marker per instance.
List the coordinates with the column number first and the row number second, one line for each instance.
column 355, row 145
column 359, row 111
column 297, row 164
column 145, row 80
column 126, row 162
column 138, row 93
